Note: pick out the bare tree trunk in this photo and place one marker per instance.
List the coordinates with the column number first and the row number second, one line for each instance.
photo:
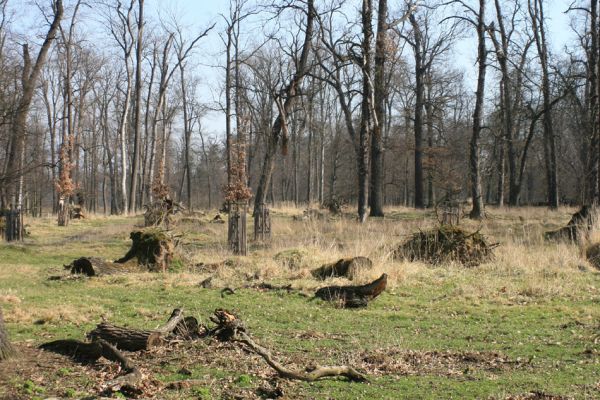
column 418, row 121
column 365, row 119
column 429, row 124
column 507, row 107
column 310, row 127
column 474, row 167
column 376, row 192
column 593, row 172
column 536, row 12
column 501, row 174
column 137, row 135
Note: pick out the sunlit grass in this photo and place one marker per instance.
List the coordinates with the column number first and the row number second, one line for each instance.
column 534, row 301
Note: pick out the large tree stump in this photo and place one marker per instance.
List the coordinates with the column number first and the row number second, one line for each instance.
column 353, row 296
column 344, row 267
column 262, row 223
column 236, row 231
column 152, row 247
column 578, row 228
column 63, row 212
column 11, row 224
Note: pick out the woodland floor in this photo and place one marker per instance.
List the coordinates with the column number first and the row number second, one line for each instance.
column 526, row 322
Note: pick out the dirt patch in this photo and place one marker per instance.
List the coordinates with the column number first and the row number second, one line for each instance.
column 37, row 373
column 441, row 363
column 33, row 372
column 537, row 396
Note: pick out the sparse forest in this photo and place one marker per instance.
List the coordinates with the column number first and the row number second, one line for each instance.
column 364, row 104
column 332, row 198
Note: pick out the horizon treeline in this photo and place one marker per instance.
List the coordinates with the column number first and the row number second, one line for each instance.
column 326, row 101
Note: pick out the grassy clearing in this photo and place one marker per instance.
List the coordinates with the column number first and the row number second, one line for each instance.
column 528, row 320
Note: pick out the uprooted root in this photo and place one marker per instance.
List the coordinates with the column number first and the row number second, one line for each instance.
column 447, row 243
column 230, row 328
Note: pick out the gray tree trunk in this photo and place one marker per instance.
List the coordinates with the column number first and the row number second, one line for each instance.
column 474, row 167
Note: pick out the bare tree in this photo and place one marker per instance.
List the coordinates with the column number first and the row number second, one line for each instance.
column 536, row 12
column 137, row 136
column 29, row 79
column 285, row 102
column 427, row 47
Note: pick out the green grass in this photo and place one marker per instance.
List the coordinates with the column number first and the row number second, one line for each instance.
column 551, row 341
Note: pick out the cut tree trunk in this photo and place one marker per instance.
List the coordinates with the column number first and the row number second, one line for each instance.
column 92, row 266
column 353, row 296
column 134, row 339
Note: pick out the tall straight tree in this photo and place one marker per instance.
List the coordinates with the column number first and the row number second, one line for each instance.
column 474, row 167
column 137, row 135
column 420, row 69
column 376, row 193
column 476, row 17
column 366, row 107
column 536, row 12
column 121, row 29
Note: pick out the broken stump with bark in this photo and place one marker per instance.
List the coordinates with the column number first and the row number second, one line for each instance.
column 152, row 247
column 236, row 229
column 344, row 267
column 578, row 228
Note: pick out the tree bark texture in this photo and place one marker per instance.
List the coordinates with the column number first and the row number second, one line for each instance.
column 474, row 167
column 376, row 192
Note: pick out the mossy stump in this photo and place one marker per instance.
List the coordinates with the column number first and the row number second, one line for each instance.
column 447, row 243
column 152, row 247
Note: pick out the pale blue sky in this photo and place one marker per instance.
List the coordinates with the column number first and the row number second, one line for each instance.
column 196, row 15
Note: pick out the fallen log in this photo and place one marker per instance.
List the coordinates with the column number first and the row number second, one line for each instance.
column 353, row 296
column 93, row 266
column 231, row 328
column 134, row 339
